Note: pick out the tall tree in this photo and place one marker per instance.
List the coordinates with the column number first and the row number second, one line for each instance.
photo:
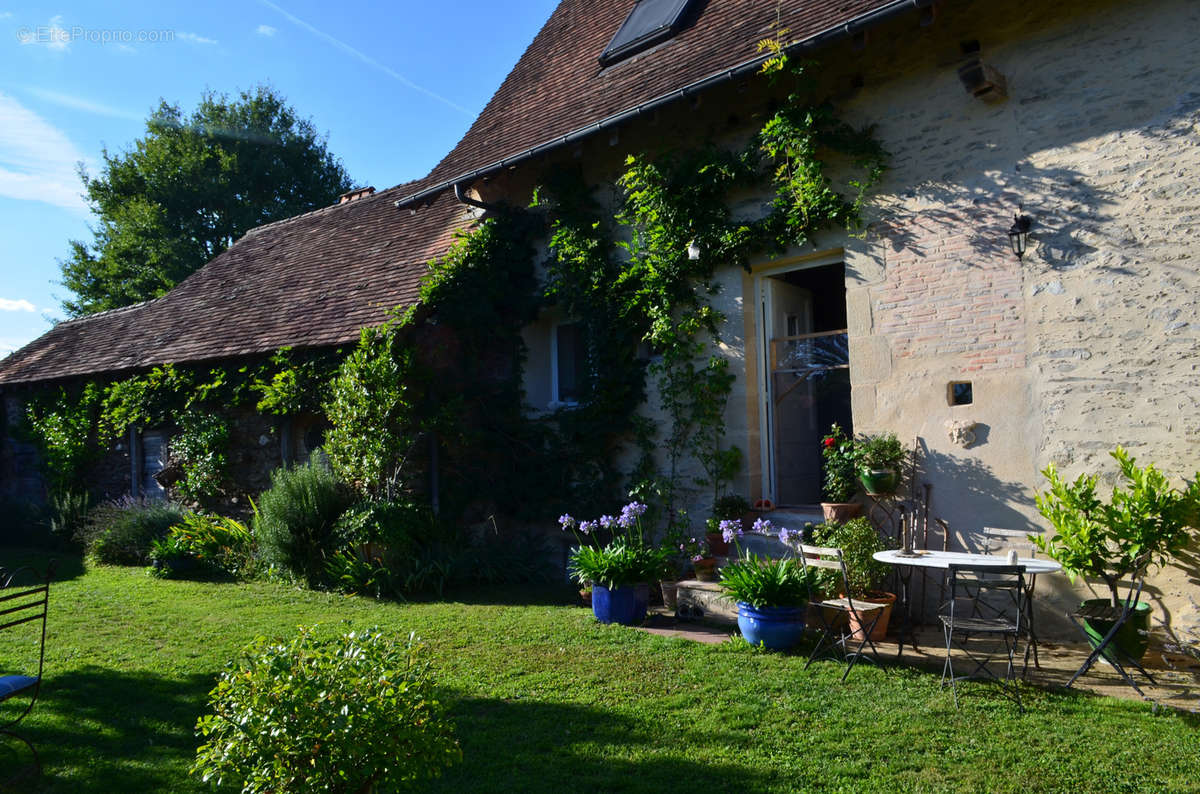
column 190, row 187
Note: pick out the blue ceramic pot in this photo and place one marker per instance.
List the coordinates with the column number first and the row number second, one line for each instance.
column 777, row 628
column 623, row 605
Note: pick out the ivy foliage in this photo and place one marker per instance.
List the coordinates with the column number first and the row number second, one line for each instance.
column 62, row 423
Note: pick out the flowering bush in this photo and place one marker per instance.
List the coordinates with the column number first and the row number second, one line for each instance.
column 626, row 559
column 841, row 459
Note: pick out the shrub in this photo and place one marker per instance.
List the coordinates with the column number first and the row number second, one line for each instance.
column 219, row 543
column 859, row 540
column 840, row 461
column 121, row 532
column 349, row 713
column 296, row 518
column 68, row 512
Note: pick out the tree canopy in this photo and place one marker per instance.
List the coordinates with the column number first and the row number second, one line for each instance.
column 190, row 187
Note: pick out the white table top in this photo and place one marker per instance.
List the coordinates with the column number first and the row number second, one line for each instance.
column 944, row 559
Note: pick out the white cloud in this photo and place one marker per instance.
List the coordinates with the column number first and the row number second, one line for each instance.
column 367, row 59
column 125, row 48
column 6, row 15
column 19, row 305
column 194, row 38
column 265, row 30
column 86, row 105
column 53, row 36
column 37, row 160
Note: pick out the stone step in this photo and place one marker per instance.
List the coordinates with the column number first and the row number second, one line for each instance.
column 698, row 600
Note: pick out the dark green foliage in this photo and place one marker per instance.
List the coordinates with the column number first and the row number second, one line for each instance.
column 880, row 451
column 200, row 445
column 730, row 506
column 839, row 456
column 219, row 544
column 61, row 422
column 618, row 564
column 336, row 714
column 766, row 582
column 296, row 518
column 859, row 540
column 122, row 532
column 191, row 186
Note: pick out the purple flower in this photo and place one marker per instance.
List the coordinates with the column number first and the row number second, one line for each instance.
column 586, row 527
column 730, row 528
column 608, row 522
column 762, row 525
column 566, row 522
column 785, row 534
column 697, row 557
column 630, row 514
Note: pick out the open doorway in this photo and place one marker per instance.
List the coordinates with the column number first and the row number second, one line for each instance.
column 807, row 366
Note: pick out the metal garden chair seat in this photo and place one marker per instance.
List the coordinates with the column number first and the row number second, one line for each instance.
column 835, row 613
column 962, row 621
column 1119, row 615
column 20, row 604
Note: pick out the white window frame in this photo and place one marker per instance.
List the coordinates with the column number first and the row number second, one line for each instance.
column 555, row 402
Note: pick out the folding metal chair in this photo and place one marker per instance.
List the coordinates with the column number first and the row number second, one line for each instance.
column 1119, row 615
column 997, row 540
column 24, row 597
column 835, row 613
column 962, row 621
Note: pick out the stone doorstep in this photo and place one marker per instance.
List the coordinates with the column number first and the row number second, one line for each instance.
column 698, row 600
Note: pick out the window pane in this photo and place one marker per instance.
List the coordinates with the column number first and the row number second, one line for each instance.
column 572, row 358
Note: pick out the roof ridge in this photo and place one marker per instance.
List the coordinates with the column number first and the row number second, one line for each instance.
column 328, row 208
column 110, row 312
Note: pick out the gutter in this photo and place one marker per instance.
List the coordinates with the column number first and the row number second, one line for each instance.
column 841, row 30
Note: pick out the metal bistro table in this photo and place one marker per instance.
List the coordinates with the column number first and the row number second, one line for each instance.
column 942, row 560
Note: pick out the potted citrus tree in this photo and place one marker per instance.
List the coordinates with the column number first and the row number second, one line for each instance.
column 879, row 460
column 839, row 459
column 1146, row 518
column 771, row 597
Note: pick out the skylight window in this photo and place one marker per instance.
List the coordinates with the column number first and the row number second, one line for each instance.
column 650, row 22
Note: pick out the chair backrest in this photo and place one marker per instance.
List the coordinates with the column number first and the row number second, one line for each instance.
column 1000, row 590
column 826, row 557
column 24, row 599
column 996, row 539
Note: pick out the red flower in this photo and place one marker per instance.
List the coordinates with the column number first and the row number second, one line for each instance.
column 829, row 442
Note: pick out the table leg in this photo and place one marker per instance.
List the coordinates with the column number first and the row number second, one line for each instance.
column 904, row 574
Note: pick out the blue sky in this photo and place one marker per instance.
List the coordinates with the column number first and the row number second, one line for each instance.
column 394, row 85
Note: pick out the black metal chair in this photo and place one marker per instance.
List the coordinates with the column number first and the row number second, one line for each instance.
column 24, row 598
column 964, row 621
column 836, row 613
column 997, row 540
column 1119, row 616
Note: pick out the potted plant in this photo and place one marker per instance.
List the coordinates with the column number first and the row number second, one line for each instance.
column 619, row 571
column 879, row 460
column 730, row 507
column 859, row 541
column 840, row 482
column 1146, row 519
column 771, row 597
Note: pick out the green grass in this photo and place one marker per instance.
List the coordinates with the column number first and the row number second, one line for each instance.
column 545, row 699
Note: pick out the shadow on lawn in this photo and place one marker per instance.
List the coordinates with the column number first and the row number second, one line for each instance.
column 68, row 564
column 101, row 730
column 539, row 746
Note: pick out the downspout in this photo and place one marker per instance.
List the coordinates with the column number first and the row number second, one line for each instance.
column 461, row 196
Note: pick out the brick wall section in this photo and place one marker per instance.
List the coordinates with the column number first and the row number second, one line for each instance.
column 949, row 295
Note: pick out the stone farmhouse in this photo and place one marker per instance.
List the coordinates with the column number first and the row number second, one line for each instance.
column 1082, row 117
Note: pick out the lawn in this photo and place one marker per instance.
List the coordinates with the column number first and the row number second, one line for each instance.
column 545, row 699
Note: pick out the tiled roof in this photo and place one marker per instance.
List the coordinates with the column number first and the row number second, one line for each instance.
column 558, row 86
column 309, row 281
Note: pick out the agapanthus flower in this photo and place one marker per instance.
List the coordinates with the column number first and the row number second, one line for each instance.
column 566, row 522
column 762, row 525
column 586, row 527
column 697, row 557
column 730, row 528
column 608, row 522
column 630, row 514
column 785, row 534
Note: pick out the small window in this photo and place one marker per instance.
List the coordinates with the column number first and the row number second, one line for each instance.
column 960, row 393
column 650, row 22
column 570, row 361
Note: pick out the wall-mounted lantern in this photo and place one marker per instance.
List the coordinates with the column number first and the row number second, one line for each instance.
column 1018, row 235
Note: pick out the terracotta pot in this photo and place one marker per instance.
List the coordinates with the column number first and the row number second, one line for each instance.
column 881, row 627
column 840, row 512
column 585, row 595
column 706, row 569
column 717, row 544
column 670, row 594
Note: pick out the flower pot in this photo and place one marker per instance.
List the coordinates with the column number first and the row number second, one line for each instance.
column 775, row 628
column 881, row 627
column 585, row 595
column 840, row 512
column 706, row 569
column 1133, row 638
column 670, row 594
column 625, row 606
column 879, row 481
column 717, row 544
